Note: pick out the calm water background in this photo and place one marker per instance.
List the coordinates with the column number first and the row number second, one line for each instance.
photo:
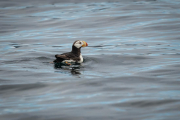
column 131, row 69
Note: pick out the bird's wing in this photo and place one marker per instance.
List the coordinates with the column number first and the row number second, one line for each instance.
column 66, row 56
column 62, row 56
column 72, row 56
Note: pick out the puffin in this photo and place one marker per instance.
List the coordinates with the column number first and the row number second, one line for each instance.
column 72, row 57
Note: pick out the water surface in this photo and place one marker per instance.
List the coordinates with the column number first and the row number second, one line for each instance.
column 131, row 66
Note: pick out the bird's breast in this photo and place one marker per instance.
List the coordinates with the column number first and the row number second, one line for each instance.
column 81, row 59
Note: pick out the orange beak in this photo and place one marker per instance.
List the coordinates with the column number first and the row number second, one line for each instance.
column 84, row 44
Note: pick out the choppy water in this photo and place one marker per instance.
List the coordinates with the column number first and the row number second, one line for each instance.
column 131, row 69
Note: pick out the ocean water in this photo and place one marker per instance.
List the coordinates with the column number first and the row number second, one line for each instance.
column 131, row 68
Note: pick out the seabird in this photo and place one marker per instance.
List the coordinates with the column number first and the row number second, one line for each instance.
column 74, row 56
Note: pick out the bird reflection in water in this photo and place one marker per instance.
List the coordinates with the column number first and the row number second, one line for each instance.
column 73, row 68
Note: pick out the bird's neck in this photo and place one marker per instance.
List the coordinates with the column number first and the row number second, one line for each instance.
column 76, row 51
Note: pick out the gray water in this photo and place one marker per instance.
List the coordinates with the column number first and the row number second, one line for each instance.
column 131, row 68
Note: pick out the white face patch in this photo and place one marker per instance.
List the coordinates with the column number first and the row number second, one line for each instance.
column 78, row 44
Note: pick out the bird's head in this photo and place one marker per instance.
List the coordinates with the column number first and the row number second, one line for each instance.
column 79, row 44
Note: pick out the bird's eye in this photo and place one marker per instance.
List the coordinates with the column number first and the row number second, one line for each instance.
column 80, row 42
